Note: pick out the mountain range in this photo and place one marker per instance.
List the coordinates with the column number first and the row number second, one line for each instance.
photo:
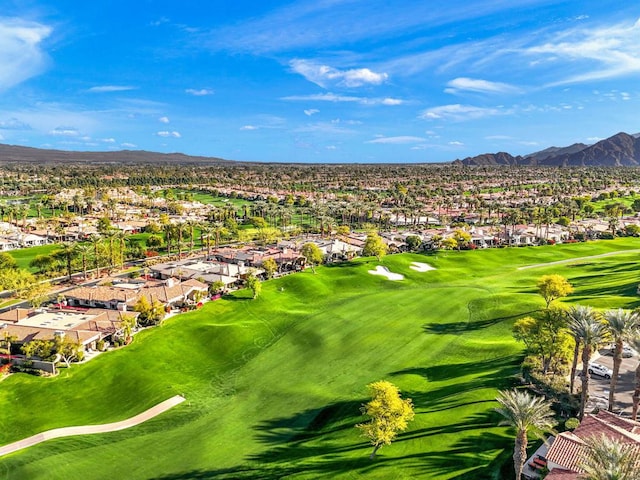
column 19, row 154
column 620, row 150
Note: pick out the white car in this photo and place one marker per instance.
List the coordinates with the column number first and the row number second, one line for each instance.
column 601, row 370
column 627, row 351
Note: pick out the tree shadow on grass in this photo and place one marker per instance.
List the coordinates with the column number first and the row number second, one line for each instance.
column 313, row 452
column 495, row 373
column 469, row 326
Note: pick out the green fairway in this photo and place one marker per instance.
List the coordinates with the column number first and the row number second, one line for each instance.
column 274, row 385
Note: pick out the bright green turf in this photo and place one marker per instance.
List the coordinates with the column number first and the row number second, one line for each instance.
column 274, row 385
column 24, row 256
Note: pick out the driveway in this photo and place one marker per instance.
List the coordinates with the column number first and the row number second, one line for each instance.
column 599, row 386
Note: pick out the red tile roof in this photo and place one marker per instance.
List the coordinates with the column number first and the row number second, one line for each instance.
column 561, row 474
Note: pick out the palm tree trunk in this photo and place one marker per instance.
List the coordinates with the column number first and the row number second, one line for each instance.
column 617, row 360
column 574, row 365
column 586, row 355
column 520, row 453
column 636, row 396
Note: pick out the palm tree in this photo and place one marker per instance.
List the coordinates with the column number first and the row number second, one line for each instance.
column 620, row 325
column 83, row 250
column 524, row 411
column 608, row 459
column 68, row 253
column 591, row 332
column 577, row 316
column 96, row 241
column 634, row 342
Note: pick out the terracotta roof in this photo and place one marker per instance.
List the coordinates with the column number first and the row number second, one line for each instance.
column 567, row 450
column 14, row 315
column 562, row 474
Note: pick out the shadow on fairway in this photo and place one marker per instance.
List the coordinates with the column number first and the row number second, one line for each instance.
column 458, row 327
column 496, row 373
column 326, row 462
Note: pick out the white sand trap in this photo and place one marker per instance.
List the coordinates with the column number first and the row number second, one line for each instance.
column 421, row 267
column 384, row 271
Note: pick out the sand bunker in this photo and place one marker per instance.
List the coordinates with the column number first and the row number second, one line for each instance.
column 421, row 267
column 384, row 271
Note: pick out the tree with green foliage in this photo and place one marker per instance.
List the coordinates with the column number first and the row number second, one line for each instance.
column 216, row 287
column 462, row 238
column 413, row 242
column 552, row 287
column 374, row 246
column 312, row 255
column 68, row 351
column 546, row 337
column 270, row 267
column 151, row 313
column 7, row 262
column 621, row 325
column 44, row 349
column 524, row 412
column 253, row 283
column 389, row 414
column 608, row 459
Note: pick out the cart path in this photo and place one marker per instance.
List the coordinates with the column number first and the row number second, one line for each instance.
column 577, row 259
column 90, row 429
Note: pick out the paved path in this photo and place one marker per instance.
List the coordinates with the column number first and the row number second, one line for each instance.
column 578, row 259
column 89, row 429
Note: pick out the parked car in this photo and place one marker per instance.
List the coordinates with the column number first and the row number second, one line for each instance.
column 601, row 370
column 627, row 351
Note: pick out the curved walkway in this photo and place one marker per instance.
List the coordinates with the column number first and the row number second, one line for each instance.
column 89, row 429
column 578, row 259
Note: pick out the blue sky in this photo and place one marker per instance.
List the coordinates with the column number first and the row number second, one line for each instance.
column 318, row 81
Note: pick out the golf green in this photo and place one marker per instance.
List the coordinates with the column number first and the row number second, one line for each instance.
column 274, row 385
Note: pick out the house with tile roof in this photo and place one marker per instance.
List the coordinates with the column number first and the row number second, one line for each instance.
column 564, row 453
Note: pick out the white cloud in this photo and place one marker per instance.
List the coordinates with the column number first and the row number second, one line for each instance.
column 164, row 119
column 128, row 145
column 111, row 88
column 603, row 52
column 1, row 137
column 65, row 132
column 324, row 76
column 201, row 92
column 331, row 147
column 459, row 112
column 108, row 140
column 464, row 84
column 166, row 134
column 21, row 54
column 13, row 124
column 249, row 127
column 311, row 111
column 498, row 137
column 455, row 143
column 332, row 97
column 397, row 140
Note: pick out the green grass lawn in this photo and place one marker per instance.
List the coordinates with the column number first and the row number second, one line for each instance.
column 24, row 256
column 274, row 386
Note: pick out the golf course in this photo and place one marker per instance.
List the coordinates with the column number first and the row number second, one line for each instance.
column 273, row 386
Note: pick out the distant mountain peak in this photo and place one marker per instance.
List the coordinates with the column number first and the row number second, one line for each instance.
column 620, row 149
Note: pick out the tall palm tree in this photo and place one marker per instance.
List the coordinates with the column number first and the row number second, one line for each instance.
column 620, row 325
column 577, row 316
column 592, row 332
column 96, row 241
column 608, row 459
column 524, row 411
column 634, row 342
column 67, row 252
column 84, row 250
